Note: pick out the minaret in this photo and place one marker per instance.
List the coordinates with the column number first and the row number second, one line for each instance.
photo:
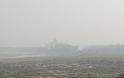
column 54, row 43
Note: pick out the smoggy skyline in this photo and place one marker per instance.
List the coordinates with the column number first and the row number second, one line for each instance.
column 32, row 23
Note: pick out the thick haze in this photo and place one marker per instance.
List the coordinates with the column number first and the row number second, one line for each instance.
column 31, row 23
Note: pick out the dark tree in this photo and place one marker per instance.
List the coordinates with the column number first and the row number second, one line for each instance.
column 121, row 75
column 89, row 75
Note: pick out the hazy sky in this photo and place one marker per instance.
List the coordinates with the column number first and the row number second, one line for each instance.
column 28, row 23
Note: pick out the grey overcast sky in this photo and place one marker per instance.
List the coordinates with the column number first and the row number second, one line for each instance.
column 31, row 23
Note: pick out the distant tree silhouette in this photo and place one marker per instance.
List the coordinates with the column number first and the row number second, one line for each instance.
column 89, row 75
column 121, row 75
